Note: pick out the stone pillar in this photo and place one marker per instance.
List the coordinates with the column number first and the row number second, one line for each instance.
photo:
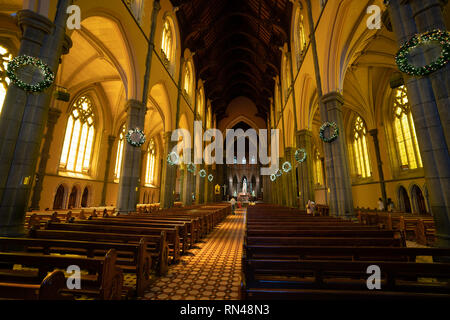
column 24, row 116
column 429, row 99
column 199, row 186
column 53, row 116
column 374, row 134
column 336, row 160
column 291, row 183
column 130, row 173
column 169, row 174
column 187, row 184
column 111, row 140
column 305, row 169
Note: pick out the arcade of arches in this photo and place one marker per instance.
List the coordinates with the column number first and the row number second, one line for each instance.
column 250, row 64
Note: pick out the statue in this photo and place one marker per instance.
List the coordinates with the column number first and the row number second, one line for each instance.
column 244, row 186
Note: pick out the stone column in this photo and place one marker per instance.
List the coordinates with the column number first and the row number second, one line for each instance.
column 24, row 116
column 130, row 173
column 291, row 183
column 53, row 116
column 305, row 169
column 187, row 184
column 169, row 174
column 429, row 101
column 336, row 160
column 199, row 186
column 111, row 140
column 374, row 134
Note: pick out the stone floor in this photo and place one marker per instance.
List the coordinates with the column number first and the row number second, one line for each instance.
column 210, row 271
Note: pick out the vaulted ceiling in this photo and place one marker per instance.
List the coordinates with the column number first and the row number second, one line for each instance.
column 237, row 46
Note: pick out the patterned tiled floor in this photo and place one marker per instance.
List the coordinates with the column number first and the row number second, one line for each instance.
column 209, row 271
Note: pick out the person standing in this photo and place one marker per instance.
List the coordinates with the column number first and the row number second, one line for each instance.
column 233, row 203
column 310, row 207
column 380, row 205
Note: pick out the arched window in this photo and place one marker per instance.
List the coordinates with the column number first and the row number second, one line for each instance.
column 5, row 57
column 119, row 154
column 360, row 149
column 187, row 83
column 167, row 40
column 299, row 37
column 318, row 169
column 405, row 133
column 287, row 76
column 200, row 101
column 151, row 161
column 79, row 139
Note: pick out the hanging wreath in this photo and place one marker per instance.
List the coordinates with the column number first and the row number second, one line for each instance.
column 191, row 167
column 21, row 61
column 335, row 134
column 278, row 173
column 135, row 137
column 210, row 177
column 286, row 166
column 297, row 155
column 273, row 177
column 439, row 36
column 170, row 157
column 202, row 173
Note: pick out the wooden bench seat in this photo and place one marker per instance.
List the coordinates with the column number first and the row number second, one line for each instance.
column 105, row 283
column 156, row 245
column 325, row 241
column 344, row 275
column 50, row 289
column 172, row 233
column 131, row 257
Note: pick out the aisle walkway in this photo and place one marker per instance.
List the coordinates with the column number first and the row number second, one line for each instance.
column 210, row 271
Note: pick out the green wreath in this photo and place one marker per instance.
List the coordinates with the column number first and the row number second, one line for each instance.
column 191, row 167
column 278, row 173
column 273, row 177
column 23, row 60
column 335, row 131
column 401, row 58
column 135, row 137
column 169, row 158
column 297, row 155
column 210, row 177
column 202, row 173
column 286, row 166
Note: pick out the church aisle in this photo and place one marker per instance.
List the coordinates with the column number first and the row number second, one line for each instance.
column 210, row 271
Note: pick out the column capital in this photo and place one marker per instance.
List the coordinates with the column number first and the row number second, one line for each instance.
column 111, row 139
column 374, row 133
column 53, row 115
column 28, row 18
column 333, row 96
column 67, row 44
column 133, row 104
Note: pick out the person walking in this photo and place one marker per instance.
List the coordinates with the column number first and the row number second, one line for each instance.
column 233, row 204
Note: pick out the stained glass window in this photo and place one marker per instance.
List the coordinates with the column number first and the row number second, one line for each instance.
column 119, row 155
column 5, row 57
column 79, row 138
column 300, row 37
column 151, row 160
column 405, row 133
column 360, row 149
column 187, row 79
column 167, row 40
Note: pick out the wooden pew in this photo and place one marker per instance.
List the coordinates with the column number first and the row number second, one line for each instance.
column 156, row 245
column 105, row 283
column 274, row 277
column 425, row 232
column 325, row 241
column 172, row 233
column 50, row 289
column 135, row 257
